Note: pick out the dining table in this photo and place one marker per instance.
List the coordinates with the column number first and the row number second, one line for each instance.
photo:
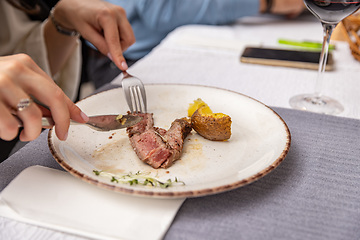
column 314, row 193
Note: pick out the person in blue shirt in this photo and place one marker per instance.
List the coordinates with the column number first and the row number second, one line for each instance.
column 152, row 20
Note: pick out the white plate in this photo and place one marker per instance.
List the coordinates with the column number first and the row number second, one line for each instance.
column 260, row 141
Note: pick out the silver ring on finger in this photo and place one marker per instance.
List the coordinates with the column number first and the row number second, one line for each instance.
column 23, row 104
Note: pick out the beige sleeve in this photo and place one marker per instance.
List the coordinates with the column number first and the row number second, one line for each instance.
column 68, row 78
column 25, row 36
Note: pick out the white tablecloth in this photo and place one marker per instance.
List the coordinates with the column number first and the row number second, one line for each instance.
column 210, row 55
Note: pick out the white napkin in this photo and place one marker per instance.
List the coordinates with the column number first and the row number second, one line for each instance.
column 57, row 200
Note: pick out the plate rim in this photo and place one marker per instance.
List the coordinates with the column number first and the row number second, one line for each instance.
column 177, row 194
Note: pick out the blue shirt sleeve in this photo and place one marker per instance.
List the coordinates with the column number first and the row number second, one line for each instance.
column 152, row 20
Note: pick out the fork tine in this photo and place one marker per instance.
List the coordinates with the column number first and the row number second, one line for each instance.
column 131, row 103
column 141, row 93
column 135, row 93
column 136, row 98
column 128, row 96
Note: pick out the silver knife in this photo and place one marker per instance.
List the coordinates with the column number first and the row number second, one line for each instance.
column 99, row 122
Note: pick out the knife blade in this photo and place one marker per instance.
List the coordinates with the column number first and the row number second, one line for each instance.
column 99, row 122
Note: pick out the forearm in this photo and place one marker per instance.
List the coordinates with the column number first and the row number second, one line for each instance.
column 282, row 7
column 263, row 6
column 59, row 46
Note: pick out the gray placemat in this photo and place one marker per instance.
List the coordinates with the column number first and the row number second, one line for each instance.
column 313, row 194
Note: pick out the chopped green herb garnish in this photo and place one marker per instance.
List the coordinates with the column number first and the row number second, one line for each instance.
column 113, row 179
column 139, row 178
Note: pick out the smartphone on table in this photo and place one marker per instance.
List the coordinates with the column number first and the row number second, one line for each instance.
column 285, row 58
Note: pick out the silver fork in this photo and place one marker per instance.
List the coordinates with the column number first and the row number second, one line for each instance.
column 134, row 93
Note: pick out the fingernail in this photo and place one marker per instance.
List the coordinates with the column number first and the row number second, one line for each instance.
column 84, row 117
column 65, row 136
column 109, row 56
column 124, row 65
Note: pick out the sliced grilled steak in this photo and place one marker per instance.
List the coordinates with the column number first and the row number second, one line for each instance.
column 174, row 138
column 156, row 146
column 143, row 125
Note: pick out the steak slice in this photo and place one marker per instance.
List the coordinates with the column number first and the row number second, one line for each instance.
column 174, row 138
column 150, row 148
column 146, row 123
column 156, row 146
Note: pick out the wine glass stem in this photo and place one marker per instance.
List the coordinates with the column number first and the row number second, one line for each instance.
column 328, row 29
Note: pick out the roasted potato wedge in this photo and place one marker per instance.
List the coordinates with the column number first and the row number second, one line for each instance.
column 212, row 126
column 195, row 105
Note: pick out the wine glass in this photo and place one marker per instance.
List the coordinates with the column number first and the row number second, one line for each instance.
column 330, row 13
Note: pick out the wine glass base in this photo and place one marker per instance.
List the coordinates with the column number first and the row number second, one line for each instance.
column 315, row 103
